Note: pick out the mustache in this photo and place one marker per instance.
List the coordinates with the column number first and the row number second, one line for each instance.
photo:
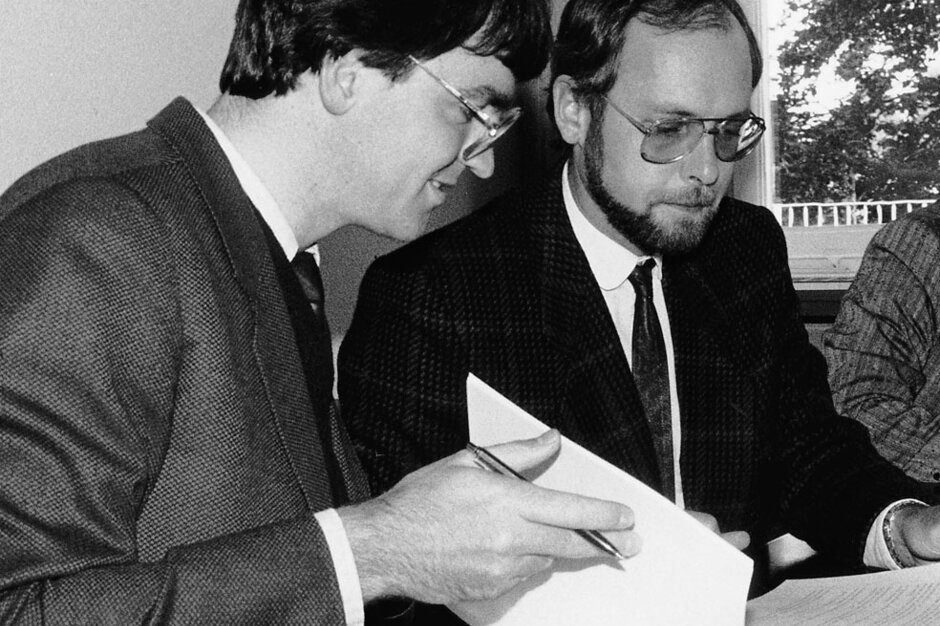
column 700, row 197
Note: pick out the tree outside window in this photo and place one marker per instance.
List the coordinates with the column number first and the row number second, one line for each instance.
column 856, row 100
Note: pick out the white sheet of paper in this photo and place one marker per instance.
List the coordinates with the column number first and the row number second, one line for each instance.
column 910, row 596
column 684, row 574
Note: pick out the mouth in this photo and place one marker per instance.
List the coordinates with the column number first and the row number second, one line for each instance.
column 695, row 203
column 440, row 184
column 691, row 201
column 440, row 188
column 686, row 208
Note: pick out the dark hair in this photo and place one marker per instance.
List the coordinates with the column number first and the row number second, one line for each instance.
column 275, row 41
column 592, row 33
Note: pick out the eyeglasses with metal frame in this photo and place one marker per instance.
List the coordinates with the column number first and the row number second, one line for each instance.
column 669, row 140
column 495, row 124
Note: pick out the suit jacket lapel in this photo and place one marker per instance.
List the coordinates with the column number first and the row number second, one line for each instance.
column 713, row 381
column 259, row 313
column 575, row 318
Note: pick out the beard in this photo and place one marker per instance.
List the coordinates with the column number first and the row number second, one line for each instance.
column 648, row 229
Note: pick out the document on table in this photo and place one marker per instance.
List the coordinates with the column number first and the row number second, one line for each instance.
column 909, row 597
column 684, row 574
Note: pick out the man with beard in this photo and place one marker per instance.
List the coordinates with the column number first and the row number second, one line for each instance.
column 169, row 448
column 715, row 396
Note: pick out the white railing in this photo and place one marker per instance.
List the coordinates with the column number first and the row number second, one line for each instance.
column 844, row 213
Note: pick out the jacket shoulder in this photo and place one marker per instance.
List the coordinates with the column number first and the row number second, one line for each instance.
column 922, row 225
column 87, row 166
column 485, row 234
column 745, row 232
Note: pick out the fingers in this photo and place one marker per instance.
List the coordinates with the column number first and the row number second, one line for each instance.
column 708, row 521
column 479, row 532
column 919, row 529
column 549, row 508
column 568, row 510
column 523, row 454
column 568, row 544
column 557, row 516
column 737, row 538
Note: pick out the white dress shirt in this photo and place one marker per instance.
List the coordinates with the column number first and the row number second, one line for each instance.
column 611, row 264
column 330, row 523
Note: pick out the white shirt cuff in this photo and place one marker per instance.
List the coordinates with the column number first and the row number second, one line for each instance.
column 344, row 564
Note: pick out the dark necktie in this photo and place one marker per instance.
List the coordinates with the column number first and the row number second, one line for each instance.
column 316, row 350
column 317, row 343
column 651, row 373
column 308, row 273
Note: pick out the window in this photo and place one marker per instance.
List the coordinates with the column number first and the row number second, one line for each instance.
column 851, row 91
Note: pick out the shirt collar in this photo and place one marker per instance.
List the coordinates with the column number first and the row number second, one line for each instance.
column 258, row 194
column 610, row 262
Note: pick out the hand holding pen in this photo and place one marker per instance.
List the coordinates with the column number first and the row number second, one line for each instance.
column 490, row 461
column 449, row 532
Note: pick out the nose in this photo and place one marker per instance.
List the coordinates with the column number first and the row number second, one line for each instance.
column 482, row 165
column 702, row 164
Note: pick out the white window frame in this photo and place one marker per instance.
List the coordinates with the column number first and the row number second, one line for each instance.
column 754, row 176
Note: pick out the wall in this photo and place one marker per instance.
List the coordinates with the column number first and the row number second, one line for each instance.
column 77, row 70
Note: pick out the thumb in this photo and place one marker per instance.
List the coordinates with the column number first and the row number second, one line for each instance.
column 524, row 454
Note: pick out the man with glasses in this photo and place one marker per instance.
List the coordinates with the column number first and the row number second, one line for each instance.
column 628, row 302
column 496, row 119
column 170, row 450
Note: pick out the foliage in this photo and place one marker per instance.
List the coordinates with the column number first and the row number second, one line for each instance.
column 883, row 141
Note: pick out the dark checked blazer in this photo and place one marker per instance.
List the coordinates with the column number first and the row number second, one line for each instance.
column 884, row 348
column 160, row 458
column 507, row 294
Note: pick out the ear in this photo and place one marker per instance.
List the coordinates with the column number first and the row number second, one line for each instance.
column 340, row 81
column 571, row 116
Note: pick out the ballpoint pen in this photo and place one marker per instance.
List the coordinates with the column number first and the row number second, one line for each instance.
column 490, row 461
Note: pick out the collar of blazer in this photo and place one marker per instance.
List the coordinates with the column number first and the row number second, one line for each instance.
column 256, row 309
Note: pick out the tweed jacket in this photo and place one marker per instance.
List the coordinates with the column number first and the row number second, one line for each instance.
column 507, row 293
column 161, row 459
column 884, row 348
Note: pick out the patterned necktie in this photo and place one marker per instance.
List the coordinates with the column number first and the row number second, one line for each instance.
column 651, row 373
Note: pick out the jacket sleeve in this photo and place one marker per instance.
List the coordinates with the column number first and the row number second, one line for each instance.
column 834, row 483
column 89, row 344
column 884, row 362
